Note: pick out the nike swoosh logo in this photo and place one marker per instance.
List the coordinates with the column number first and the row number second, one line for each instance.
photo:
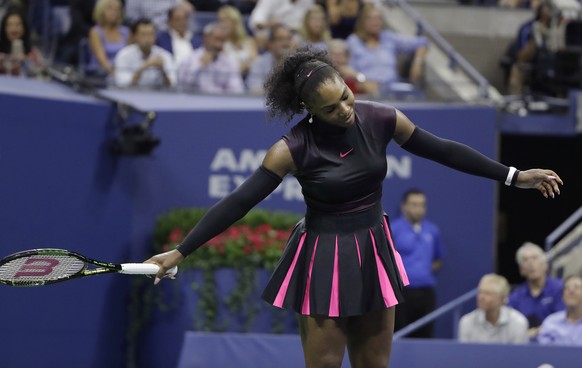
column 342, row 155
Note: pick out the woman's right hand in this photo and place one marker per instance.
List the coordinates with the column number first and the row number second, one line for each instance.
column 165, row 261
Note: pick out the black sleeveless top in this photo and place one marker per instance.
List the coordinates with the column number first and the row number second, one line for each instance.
column 341, row 170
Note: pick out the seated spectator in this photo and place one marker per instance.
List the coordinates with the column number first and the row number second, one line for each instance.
column 540, row 295
column 143, row 63
column 492, row 321
column 155, row 10
column 239, row 45
column 107, row 37
column 81, row 15
column 342, row 15
column 270, row 12
column 532, row 38
column 280, row 42
column 374, row 50
column 340, row 56
column 179, row 40
column 315, row 30
column 208, row 69
column 565, row 327
column 17, row 55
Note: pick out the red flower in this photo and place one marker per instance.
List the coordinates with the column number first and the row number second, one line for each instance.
column 176, row 235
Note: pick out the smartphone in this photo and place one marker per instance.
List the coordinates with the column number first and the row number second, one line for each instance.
column 17, row 48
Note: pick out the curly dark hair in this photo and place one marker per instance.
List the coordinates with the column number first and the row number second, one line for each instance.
column 287, row 86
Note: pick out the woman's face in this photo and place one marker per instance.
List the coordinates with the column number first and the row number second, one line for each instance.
column 111, row 13
column 333, row 102
column 14, row 28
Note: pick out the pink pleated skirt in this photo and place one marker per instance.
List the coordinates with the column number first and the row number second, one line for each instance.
column 339, row 266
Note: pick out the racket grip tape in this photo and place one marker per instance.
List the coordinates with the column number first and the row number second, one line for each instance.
column 144, row 269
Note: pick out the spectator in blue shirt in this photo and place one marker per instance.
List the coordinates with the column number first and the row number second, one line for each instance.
column 565, row 327
column 374, row 50
column 540, row 295
column 419, row 243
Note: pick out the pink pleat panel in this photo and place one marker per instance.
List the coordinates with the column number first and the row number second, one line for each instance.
column 285, row 285
column 305, row 307
column 334, row 297
column 385, row 286
column 397, row 257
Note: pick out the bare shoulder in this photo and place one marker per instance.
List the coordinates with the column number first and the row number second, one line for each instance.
column 278, row 159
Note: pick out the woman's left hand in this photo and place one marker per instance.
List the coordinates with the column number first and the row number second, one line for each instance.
column 546, row 181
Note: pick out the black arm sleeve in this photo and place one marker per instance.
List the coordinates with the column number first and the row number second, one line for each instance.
column 455, row 155
column 231, row 208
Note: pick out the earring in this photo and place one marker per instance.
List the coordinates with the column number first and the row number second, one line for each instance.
column 310, row 119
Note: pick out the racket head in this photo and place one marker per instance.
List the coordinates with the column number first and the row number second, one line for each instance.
column 38, row 267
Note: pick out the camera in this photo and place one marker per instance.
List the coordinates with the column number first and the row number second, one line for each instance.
column 135, row 139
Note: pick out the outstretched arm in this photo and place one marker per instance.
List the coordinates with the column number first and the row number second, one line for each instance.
column 260, row 184
column 466, row 159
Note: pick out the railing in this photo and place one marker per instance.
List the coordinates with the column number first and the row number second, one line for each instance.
column 454, row 306
column 566, row 226
column 455, row 59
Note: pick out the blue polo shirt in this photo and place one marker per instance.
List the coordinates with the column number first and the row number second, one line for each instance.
column 536, row 309
column 418, row 250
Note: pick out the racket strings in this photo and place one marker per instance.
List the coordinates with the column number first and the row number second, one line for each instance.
column 40, row 268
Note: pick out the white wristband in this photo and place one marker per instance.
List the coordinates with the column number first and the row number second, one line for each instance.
column 510, row 174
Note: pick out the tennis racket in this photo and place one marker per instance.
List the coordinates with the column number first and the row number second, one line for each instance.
column 38, row 267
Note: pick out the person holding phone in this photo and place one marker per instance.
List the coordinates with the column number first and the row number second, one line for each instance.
column 17, row 55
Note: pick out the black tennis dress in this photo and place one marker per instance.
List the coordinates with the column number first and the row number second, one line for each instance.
column 340, row 259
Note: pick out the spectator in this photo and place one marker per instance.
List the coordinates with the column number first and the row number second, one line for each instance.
column 492, row 321
column 239, row 45
column 107, row 37
column 374, row 50
column 17, row 55
column 270, row 12
column 420, row 246
column 532, row 38
column 81, row 15
column 315, row 30
column 143, row 63
column 179, row 40
column 208, row 69
column 540, row 295
column 565, row 327
column 340, row 56
column 280, row 43
column 155, row 10
column 342, row 15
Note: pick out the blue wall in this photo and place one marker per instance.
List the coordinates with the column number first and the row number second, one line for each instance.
column 201, row 350
column 61, row 188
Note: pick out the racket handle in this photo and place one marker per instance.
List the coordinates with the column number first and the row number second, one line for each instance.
column 145, row 269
